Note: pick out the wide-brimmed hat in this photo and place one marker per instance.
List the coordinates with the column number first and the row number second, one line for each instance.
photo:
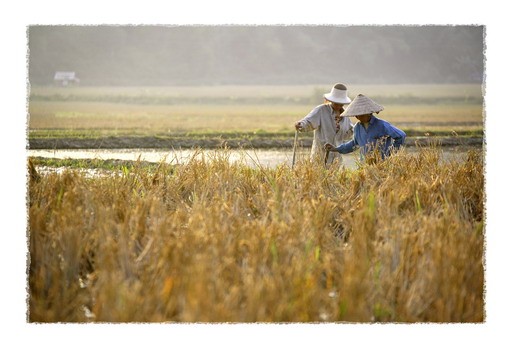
column 361, row 105
column 338, row 94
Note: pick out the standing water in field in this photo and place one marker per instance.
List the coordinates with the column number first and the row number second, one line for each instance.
column 255, row 158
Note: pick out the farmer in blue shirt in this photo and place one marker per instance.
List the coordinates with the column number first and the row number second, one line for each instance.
column 370, row 133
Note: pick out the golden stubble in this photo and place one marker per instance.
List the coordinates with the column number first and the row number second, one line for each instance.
column 216, row 241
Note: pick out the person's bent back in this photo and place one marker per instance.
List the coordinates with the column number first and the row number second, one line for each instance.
column 370, row 133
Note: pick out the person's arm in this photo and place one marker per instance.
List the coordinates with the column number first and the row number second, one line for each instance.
column 309, row 122
column 344, row 148
column 396, row 134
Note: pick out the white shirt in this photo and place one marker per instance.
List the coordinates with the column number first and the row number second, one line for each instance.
column 321, row 120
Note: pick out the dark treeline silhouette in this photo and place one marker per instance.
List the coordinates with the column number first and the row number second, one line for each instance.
column 204, row 55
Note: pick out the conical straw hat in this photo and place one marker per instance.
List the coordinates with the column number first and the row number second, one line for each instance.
column 361, row 105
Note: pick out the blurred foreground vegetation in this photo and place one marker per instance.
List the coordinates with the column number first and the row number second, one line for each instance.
column 217, row 241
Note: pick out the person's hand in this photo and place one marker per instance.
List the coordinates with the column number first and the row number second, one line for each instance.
column 298, row 126
column 329, row 147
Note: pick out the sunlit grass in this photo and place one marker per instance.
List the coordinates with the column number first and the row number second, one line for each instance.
column 433, row 117
column 158, row 118
column 216, row 241
column 147, row 110
column 120, row 118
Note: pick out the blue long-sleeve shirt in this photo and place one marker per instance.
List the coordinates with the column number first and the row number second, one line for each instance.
column 379, row 134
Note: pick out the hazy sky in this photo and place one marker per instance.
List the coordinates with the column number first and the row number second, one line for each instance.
column 189, row 55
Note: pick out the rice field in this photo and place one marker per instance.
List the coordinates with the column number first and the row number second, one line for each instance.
column 167, row 110
column 216, row 241
column 212, row 240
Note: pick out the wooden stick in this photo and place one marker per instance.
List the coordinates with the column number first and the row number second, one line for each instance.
column 294, row 147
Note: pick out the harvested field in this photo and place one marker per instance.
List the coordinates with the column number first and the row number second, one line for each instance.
column 210, row 241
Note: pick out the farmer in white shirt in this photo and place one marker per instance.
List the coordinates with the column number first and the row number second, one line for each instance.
column 328, row 125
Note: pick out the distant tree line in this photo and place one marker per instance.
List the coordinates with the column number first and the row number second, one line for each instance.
column 204, row 55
